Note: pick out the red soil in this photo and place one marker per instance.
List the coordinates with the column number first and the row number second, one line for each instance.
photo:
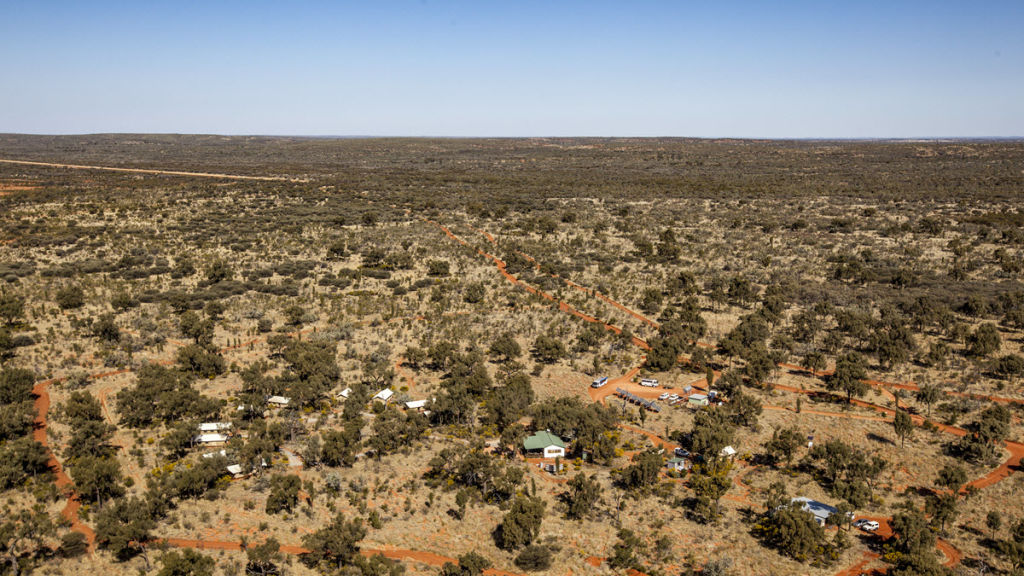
column 654, row 438
column 953, row 556
column 1011, row 465
column 858, row 568
column 404, row 374
column 599, row 394
column 63, row 481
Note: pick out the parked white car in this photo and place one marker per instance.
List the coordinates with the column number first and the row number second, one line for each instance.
column 663, row 397
column 867, row 525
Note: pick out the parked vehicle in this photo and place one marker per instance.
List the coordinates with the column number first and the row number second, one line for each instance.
column 649, row 382
column 663, row 397
column 599, row 382
column 867, row 525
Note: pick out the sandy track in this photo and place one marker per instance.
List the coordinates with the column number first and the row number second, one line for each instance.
column 153, row 171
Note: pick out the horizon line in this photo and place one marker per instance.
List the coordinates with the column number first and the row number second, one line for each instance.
column 530, row 137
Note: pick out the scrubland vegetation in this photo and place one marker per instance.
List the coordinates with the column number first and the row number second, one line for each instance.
column 857, row 308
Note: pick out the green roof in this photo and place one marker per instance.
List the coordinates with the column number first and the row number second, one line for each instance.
column 542, row 440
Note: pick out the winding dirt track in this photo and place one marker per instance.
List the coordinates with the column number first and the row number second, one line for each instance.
column 570, row 283
column 63, row 481
column 152, row 171
column 654, row 438
column 563, row 306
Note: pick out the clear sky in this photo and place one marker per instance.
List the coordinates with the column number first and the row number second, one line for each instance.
column 712, row 68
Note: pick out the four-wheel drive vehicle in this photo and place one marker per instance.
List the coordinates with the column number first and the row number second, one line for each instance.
column 865, row 524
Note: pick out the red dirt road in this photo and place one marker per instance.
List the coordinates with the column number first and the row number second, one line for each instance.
column 1011, row 465
column 953, row 556
column 858, row 568
column 599, row 394
column 563, row 306
column 572, row 284
column 63, row 481
column 654, row 438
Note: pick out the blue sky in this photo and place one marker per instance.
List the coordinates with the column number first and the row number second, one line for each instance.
column 515, row 68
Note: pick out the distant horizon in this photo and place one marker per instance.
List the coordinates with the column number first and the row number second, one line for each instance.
column 795, row 70
column 536, row 137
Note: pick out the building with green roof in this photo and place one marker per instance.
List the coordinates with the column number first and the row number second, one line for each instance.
column 546, row 443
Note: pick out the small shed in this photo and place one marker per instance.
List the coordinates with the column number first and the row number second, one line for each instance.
column 214, row 426
column 415, row 405
column 235, row 470
column 697, row 400
column 679, row 464
column 384, row 395
column 345, row 393
column 727, row 452
column 548, row 444
column 278, row 401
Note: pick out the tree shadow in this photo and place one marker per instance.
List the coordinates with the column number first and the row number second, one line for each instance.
column 880, row 439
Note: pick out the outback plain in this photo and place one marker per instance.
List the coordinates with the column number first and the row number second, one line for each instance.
column 261, row 355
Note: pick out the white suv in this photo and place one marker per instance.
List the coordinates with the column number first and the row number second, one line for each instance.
column 865, row 524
